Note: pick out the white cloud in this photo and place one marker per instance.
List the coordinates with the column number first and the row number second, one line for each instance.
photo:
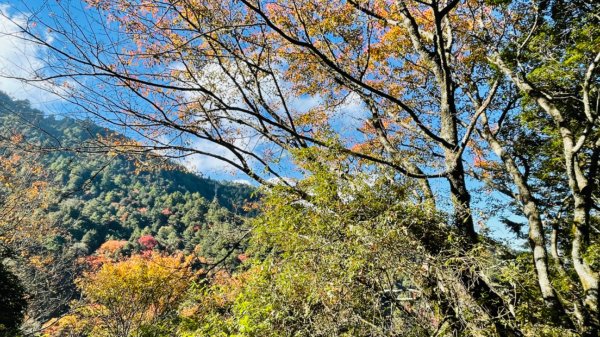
column 283, row 181
column 305, row 103
column 212, row 77
column 345, row 117
column 242, row 182
column 20, row 58
column 195, row 162
column 208, row 164
column 351, row 113
column 353, row 106
column 348, row 115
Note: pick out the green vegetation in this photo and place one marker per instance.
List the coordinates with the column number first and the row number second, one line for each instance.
column 93, row 204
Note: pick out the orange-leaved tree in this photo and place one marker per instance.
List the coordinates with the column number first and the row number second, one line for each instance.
column 139, row 296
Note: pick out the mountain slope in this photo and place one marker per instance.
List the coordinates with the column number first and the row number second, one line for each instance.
column 99, row 204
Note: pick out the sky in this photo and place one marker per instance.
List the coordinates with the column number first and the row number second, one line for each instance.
column 19, row 58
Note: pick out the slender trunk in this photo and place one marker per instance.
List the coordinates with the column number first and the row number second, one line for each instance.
column 461, row 201
column 588, row 278
column 438, row 60
column 579, row 187
column 554, row 250
column 537, row 240
column 461, row 198
column 474, row 287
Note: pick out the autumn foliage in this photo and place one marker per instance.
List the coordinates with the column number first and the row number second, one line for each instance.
column 123, row 298
column 148, row 242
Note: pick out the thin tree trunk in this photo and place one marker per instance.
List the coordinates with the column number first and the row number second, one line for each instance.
column 461, row 202
column 578, row 186
column 461, row 199
column 537, row 240
column 554, row 250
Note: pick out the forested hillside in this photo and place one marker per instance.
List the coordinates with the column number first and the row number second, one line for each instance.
column 98, row 203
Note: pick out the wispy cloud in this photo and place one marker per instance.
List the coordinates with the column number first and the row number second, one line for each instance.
column 20, row 58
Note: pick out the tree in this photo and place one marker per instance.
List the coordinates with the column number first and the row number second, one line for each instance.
column 48, row 227
column 553, row 71
column 337, row 265
column 135, row 297
column 437, row 84
column 30, row 278
column 12, row 303
column 148, row 242
column 350, row 262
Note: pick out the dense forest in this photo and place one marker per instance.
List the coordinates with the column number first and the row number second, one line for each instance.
column 95, row 205
column 422, row 168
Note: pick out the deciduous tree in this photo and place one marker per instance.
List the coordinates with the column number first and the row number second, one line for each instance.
column 136, row 297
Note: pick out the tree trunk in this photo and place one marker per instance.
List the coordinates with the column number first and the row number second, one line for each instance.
column 461, row 202
column 461, row 198
column 578, row 186
column 587, row 277
column 537, row 240
column 554, row 250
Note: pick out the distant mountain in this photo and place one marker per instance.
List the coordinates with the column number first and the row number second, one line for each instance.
column 104, row 198
column 102, row 207
column 18, row 117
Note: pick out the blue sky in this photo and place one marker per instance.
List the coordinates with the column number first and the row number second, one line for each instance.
column 19, row 58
